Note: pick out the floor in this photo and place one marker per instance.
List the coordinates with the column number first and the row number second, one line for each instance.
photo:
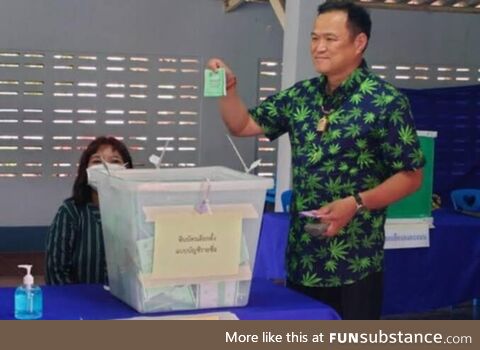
column 11, row 275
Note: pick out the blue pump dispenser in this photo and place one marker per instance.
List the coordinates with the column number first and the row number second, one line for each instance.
column 28, row 298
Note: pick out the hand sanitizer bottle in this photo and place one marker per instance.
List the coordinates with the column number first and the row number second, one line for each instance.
column 28, row 298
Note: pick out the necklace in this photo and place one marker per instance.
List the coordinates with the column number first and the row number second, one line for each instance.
column 323, row 122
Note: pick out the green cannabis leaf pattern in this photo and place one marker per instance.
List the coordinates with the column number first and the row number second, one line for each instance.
column 370, row 136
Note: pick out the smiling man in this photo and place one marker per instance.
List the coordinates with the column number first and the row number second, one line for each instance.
column 354, row 151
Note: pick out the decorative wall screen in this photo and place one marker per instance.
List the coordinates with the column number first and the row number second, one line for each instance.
column 420, row 76
column 269, row 82
column 417, row 76
column 52, row 104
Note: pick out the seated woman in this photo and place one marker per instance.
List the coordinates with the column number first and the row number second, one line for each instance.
column 75, row 250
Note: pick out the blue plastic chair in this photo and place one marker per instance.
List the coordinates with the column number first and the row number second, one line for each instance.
column 270, row 195
column 286, row 200
column 466, row 200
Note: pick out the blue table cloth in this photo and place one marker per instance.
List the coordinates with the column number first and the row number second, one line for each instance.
column 417, row 279
column 268, row 301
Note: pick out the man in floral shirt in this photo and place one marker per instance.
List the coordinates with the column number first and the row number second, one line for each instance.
column 354, row 151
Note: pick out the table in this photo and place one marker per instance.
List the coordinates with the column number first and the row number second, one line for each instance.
column 268, row 301
column 416, row 279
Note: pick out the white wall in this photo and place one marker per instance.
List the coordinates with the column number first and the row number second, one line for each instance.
column 198, row 28
column 398, row 37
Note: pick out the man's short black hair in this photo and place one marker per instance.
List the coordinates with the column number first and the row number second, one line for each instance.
column 358, row 17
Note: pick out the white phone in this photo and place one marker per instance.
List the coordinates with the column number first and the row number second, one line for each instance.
column 317, row 229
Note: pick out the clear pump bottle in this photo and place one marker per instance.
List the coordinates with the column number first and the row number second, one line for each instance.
column 28, row 298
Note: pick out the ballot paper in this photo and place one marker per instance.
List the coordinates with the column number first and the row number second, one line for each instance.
column 214, row 83
column 213, row 316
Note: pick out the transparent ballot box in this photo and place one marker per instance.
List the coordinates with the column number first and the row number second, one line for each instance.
column 180, row 239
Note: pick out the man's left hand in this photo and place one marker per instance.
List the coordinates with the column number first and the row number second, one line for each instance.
column 337, row 214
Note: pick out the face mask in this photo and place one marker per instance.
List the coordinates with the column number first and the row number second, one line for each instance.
column 100, row 168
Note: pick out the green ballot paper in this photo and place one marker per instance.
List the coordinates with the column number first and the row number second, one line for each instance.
column 215, row 83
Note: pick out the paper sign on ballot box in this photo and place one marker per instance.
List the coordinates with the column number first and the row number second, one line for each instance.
column 192, row 245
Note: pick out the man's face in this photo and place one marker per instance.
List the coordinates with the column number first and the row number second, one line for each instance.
column 334, row 49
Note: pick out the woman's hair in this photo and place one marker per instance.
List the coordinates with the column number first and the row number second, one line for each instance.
column 82, row 192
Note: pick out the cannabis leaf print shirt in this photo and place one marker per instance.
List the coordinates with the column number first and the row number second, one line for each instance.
column 370, row 136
